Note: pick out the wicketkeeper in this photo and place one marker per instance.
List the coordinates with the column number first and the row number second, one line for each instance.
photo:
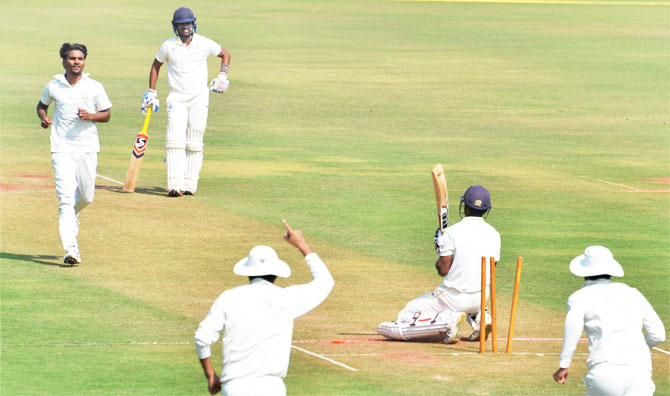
column 187, row 103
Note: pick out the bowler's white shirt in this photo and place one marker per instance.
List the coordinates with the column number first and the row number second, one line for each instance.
column 257, row 320
column 613, row 314
column 468, row 240
column 187, row 64
column 69, row 133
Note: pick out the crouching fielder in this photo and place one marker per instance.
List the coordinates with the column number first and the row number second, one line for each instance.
column 613, row 315
column 187, row 104
column 258, row 321
column 460, row 250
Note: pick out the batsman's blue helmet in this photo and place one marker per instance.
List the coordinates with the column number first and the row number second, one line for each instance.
column 477, row 197
column 183, row 15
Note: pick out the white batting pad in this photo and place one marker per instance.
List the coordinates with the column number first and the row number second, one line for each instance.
column 407, row 331
column 176, row 161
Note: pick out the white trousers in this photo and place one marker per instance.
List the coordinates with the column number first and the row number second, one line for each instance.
column 74, row 175
column 441, row 300
column 270, row 385
column 187, row 120
column 606, row 379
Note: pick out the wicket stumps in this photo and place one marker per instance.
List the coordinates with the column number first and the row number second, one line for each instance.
column 515, row 299
column 482, row 315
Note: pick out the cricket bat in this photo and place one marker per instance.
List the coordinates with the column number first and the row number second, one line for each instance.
column 138, row 155
column 441, row 196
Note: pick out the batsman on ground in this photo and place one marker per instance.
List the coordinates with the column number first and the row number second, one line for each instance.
column 612, row 314
column 79, row 103
column 257, row 321
column 460, row 251
column 188, row 101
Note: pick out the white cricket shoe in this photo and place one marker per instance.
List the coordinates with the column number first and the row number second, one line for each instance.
column 454, row 332
column 72, row 256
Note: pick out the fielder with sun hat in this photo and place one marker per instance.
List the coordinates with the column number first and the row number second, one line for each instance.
column 258, row 321
column 612, row 314
column 187, row 104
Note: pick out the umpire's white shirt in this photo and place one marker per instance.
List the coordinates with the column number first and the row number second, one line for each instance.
column 613, row 314
column 468, row 240
column 187, row 64
column 69, row 133
column 258, row 322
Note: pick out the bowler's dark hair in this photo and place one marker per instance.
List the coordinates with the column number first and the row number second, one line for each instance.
column 67, row 47
column 477, row 212
column 269, row 278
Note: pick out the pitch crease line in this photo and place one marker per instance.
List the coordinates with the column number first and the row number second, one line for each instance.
column 110, row 179
column 324, row 358
column 550, row 2
column 661, row 350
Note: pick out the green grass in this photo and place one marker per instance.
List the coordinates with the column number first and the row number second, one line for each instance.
column 335, row 115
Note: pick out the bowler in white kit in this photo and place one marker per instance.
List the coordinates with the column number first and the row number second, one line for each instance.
column 79, row 104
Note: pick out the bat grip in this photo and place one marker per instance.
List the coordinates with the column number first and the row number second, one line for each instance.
column 145, row 127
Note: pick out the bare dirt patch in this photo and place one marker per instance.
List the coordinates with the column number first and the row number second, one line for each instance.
column 659, row 180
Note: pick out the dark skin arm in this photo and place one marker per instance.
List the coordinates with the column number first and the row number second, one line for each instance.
column 443, row 264
column 101, row 116
column 42, row 114
column 153, row 75
column 561, row 375
column 213, row 384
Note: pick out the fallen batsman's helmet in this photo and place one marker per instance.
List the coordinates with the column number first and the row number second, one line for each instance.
column 183, row 15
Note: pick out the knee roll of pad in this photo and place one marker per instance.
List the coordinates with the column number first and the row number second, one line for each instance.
column 194, row 146
column 175, row 144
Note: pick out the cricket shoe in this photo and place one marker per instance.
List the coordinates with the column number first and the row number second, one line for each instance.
column 188, row 193
column 454, row 333
column 72, row 256
column 475, row 334
column 175, row 193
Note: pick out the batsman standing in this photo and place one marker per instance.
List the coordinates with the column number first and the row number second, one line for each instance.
column 188, row 101
column 79, row 103
column 460, row 251
column 612, row 314
column 257, row 320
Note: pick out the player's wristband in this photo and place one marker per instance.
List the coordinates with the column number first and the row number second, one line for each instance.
column 224, row 68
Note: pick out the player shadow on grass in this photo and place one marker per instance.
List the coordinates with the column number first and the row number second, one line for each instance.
column 39, row 259
column 140, row 190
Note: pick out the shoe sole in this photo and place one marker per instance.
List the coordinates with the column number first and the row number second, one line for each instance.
column 459, row 329
column 470, row 338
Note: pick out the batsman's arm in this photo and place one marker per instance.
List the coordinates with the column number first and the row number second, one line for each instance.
column 153, row 74
column 443, row 264
column 42, row 114
column 225, row 60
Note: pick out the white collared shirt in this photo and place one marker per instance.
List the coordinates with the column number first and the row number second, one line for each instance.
column 257, row 320
column 187, row 64
column 69, row 133
column 469, row 240
column 612, row 314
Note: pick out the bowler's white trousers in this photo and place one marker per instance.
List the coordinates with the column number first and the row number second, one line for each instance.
column 74, row 175
column 269, row 385
column 605, row 379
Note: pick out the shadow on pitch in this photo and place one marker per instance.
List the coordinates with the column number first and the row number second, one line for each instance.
column 39, row 259
column 140, row 190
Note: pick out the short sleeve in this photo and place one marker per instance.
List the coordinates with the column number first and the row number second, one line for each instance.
column 102, row 101
column 46, row 98
column 162, row 53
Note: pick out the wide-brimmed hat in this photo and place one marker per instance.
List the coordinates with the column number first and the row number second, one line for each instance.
column 596, row 260
column 262, row 260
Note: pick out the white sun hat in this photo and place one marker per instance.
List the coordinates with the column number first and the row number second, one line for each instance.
column 596, row 260
column 262, row 260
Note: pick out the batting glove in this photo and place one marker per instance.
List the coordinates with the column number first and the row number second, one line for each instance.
column 438, row 234
column 150, row 100
column 220, row 84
